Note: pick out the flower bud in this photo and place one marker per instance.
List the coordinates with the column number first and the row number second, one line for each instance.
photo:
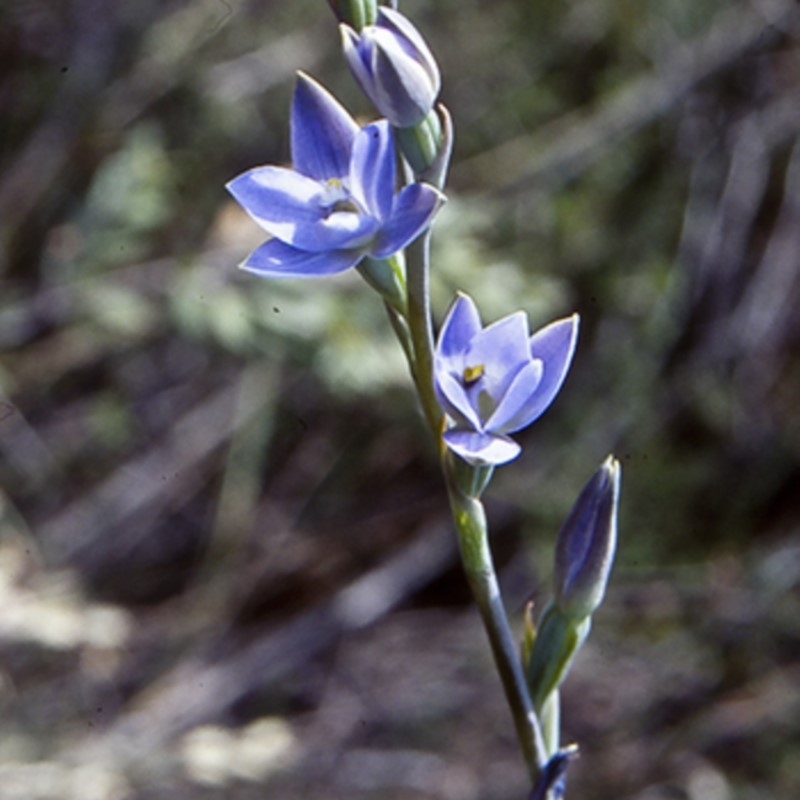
column 394, row 67
column 586, row 544
column 427, row 147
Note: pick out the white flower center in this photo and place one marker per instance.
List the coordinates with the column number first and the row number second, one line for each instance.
column 335, row 197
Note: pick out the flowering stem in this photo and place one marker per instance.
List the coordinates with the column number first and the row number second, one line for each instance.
column 356, row 13
column 476, row 556
column 421, row 328
column 400, row 328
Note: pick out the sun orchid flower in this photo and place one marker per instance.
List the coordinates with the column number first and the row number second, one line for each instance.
column 338, row 204
column 394, row 67
column 497, row 380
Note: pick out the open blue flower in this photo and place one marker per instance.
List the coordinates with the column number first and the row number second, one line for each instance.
column 496, row 380
column 338, row 204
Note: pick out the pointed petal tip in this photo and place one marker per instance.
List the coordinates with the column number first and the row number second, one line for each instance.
column 461, row 322
column 349, row 40
column 613, row 470
column 304, row 77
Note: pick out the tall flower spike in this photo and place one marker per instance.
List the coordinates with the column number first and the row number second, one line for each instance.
column 394, row 67
column 497, row 380
column 339, row 203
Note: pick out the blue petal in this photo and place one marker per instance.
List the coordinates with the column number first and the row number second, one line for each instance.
column 454, row 399
column 405, row 77
column 461, row 323
column 278, row 199
column 290, row 207
column 514, row 409
column 400, row 25
column 481, row 448
column 274, row 259
column 322, row 132
column 413, row 209
column 340, row 230
column 356, row 51
column 372, row 169
column 554, row 345
column 502, row 349
column 402, row 89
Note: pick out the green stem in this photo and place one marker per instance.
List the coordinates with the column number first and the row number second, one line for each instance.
column 476, row 556
column 430, row 154
column 401, row 331
column 421, row 329
column 550, row 718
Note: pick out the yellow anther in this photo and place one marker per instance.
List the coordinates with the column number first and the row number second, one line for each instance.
column 471, row 374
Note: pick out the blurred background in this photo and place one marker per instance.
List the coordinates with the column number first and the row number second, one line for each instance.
column 226, row 565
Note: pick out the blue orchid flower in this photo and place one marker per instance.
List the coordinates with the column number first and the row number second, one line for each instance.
column 497, row 380
column 338, row 204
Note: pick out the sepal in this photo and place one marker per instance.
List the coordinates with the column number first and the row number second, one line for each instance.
column 558, row 639
column 471, row 479
column 387, row 277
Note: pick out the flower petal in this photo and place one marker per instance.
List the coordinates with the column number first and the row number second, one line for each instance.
column 341, row 230
column 481, row 448
column 521, row 395
column 277, row 198
column 290, row 206
column 502, row 350
column 274, row 259
column 412, row 211
column 356, row 55
column 372, row 169
column 504, row 343
column 461, row 323
column 454, row 399
column 405, row 79
column 394, row 20
column 322, row 132
column 554, row 345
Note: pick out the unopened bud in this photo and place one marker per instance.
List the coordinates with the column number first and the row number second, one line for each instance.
column 587, row 543
column 394, row 67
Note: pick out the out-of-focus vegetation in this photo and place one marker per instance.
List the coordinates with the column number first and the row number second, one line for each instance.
column 225, row 562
